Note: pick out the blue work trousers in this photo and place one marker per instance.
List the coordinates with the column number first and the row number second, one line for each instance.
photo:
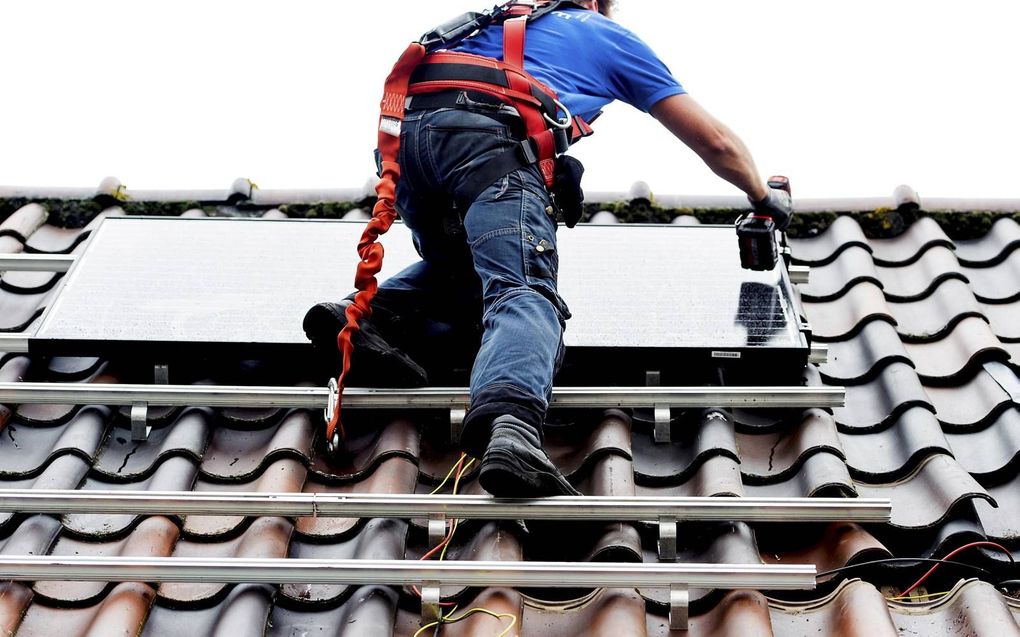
column 502, row 248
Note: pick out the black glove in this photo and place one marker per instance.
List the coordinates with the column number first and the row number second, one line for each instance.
column 777, row 204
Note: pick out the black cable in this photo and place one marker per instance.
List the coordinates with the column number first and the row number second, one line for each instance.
column 895, row 560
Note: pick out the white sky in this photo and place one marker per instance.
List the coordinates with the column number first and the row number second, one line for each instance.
column 846, row 98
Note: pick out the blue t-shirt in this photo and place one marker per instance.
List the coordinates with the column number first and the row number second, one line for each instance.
column 587, row 59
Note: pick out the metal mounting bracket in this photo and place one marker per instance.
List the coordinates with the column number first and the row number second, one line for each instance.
column 457, row 416
column 436, row 529
column 679, row 606
column 430, row 609
column 662, row 424
column 662, row 415
column 667, row 539
column 161, row 374
column 139, row 421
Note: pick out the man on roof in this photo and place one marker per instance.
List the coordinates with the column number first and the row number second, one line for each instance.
column 481, row 178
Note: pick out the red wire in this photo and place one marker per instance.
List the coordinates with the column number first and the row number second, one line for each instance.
column 459, row 472
column 950, row 556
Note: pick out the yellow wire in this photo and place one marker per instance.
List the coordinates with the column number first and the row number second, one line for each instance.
column 926, row 595
column 450, row 473
column 450, row 619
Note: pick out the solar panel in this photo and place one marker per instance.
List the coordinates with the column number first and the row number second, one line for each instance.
column 170, row 287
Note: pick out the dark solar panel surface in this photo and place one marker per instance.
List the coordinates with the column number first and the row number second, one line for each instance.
column 159, row 281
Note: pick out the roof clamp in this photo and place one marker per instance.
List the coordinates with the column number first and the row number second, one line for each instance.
column 457, row 415
column 679, row 606
column 139, row 421
column 436, row 529
column 161, row 374
column 430, row 610
column 667, row 539
column 662, row 414
column 662, row 424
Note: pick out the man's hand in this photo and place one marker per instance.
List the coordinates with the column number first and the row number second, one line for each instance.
column 777, row 204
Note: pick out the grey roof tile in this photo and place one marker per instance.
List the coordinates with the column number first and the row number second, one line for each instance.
column 32, row 536
column 237, row 455
column 284, row 475
column 153, row 537
column 827, row 546
column 844, row 317
column 54, row 240
column 17, row 311
column 721, row 543
column 370, row 610
column 774, row 457
column 974, row 608
column 63, row 472
column 609, row 612
column 265, row 538
column 1005, row 319
column 855, row 608
column 574, row 450
column 1001, row 240
column 22, row 223
column 693, row 443
column 124, row 459
column 175, row 473
column 822, row 474
column 969, row 405
column 831, row 281
column 933, row 317
column 492, row 541
column 717, row 475
column 70, row 368
column 24, row 449
column 393, row 474
column 876, row 404
column 922, row 235
column 959, row 355
column 860, row 358
column 14, row 600
column 24, row 282
column 987, row 452
column 843, row 234
column 242, row 611
column 121, row 612
column 1002, row 522
column 378, row 539
column 999, row 283
column 928, row 496
column 367, row 447
column 890, row 453
column 738, row 613
column 917, row 280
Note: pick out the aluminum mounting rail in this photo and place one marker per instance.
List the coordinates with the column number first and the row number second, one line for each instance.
column 460, row 506
column 429, row 397
column 36, row 262
column 400, row 572
column 430, row 575
column 14, row 343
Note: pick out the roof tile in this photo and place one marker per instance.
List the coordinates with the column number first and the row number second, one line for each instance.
column 861, row 358
column 124, row 459
column 891, row 453
column 877, row 404
column 989, row 451
column 242, row 611
column 917, row 280
column 926, row 497
column 999, row 283
column 773, row 457
column 831, row 281
column 933, row 317
column 922, row 235
column 973, row 404
column 238, row 455
column 958, row 356
column 843, row 234
column 842, row 318
column 994, row 247
column 121, row 612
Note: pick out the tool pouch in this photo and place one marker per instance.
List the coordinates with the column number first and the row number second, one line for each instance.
column 566, row 191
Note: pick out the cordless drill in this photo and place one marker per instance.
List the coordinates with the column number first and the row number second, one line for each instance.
column 756, row 230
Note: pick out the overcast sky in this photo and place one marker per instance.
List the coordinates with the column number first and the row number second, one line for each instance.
column 847, row 99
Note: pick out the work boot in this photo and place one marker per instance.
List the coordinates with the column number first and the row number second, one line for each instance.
column 375, row 361
column 516, row 466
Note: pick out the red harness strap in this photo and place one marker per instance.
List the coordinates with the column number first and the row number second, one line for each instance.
column 383, row 215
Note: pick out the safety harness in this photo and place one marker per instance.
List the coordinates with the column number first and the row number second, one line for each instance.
column 428, row 75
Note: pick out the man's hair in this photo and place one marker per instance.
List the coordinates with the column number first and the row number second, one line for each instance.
column 606, row 7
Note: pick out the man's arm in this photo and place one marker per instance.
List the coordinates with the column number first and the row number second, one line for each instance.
column 717, row 145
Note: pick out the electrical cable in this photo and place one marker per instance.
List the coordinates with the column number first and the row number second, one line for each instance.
column 900, row 560
column 953, row 553
column 450, row 619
